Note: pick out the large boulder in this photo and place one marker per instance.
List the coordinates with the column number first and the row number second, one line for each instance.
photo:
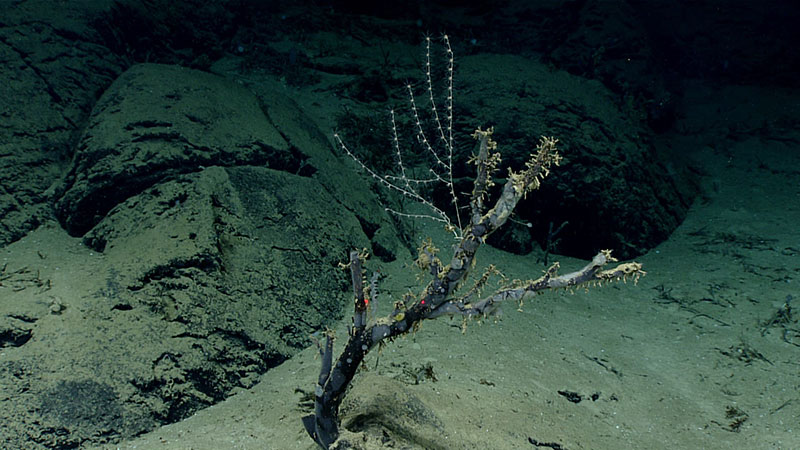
column 219, row 233
column 613, row 189
column 157, row 122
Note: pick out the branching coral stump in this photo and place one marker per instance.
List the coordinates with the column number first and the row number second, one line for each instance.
column 441, row 295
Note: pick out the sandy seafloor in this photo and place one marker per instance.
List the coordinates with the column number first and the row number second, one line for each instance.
column 686, row 359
